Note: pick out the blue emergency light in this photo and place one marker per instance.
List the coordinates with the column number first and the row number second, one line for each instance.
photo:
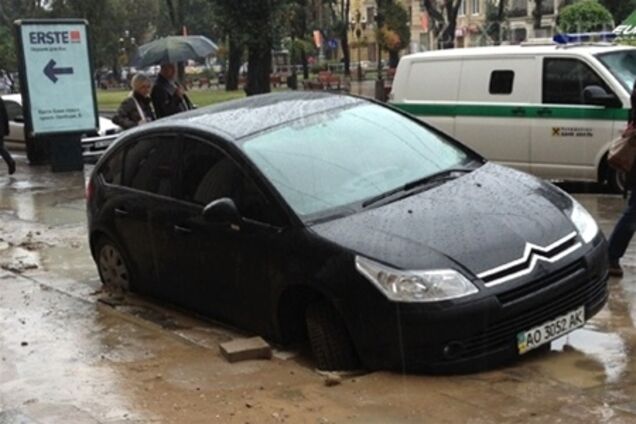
column 585, row 37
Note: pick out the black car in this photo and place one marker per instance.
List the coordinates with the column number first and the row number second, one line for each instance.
column 331, row 218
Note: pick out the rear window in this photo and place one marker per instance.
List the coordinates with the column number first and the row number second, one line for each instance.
column 112, row 169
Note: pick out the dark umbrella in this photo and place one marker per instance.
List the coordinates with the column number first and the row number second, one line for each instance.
column 174, row 49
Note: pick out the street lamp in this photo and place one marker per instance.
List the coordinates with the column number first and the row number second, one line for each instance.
column 358, row 25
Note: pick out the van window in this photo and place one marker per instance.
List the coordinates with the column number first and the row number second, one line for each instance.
column 501, row 82
column 565, row 79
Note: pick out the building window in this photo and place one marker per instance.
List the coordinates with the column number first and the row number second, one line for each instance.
column 462, row 8
column 501, row 82
column 475, row 7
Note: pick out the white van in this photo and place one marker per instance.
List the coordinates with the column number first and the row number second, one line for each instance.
column 549, row 110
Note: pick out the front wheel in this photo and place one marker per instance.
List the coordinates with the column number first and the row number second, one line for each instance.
column 329, row 339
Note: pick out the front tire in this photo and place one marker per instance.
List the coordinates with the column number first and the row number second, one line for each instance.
column 114, row 269
column 329, row 339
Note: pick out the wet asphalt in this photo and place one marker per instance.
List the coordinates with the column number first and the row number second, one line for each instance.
column 70, row 353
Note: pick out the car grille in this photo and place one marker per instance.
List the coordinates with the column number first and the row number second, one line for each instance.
column 526, row 264
column 511, row 296
column 591, row 293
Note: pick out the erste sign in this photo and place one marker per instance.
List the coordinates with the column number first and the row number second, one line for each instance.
column 57, row 72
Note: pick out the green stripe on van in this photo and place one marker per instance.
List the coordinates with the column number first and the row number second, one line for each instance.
column 498, row 111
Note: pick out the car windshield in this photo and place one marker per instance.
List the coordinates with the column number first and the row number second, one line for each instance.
column 333, row 160
column 622, row 65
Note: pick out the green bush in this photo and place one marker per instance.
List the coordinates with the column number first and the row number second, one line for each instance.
column 585, row 16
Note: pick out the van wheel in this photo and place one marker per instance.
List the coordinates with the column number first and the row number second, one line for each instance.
column 329, row 339
column 616, row 180
column 114, row 269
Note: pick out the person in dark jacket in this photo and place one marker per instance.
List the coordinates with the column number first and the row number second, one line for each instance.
column 4, row 130
column 136, row 109
column 168, row 97
column 626, row 225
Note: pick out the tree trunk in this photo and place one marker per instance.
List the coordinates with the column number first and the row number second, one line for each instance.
column 394, row 58
column 259, row 68
column 233, row 66
column 303, row 59
column 344, row 43
column 537, row 13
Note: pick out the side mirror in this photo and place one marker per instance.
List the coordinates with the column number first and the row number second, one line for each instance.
column 222, row 210
column 19, row 119
column 595, row 95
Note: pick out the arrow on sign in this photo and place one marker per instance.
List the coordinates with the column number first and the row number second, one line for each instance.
column 51, row 71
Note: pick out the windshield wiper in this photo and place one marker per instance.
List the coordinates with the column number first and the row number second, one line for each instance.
column 447, row 174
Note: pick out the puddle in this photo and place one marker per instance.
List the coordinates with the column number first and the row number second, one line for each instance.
column 607, row 351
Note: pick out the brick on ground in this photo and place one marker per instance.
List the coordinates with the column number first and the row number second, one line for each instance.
column 246, row 349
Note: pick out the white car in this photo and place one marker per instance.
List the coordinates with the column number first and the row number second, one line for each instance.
column 13, row 103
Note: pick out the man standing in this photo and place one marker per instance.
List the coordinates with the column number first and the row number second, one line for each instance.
column 4, row 130
column 168, row 97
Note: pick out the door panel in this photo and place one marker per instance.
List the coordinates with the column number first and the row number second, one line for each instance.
column 567, row 134
column 492, row 114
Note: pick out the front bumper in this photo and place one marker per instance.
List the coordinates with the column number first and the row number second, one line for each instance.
column 472, row 336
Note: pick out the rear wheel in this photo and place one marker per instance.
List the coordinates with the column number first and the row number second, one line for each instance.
column 329, row 339
column 114, row 270
column 616, row 180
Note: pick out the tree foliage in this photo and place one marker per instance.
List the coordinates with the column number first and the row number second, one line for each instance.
column 395, row 34
column 585, row 16
column 620, row 9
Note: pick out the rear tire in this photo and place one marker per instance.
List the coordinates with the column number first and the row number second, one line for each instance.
column 113, row 266
column 616, row 180
column 329, row 339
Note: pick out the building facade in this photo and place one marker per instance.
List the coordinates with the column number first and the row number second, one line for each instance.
column 472, row 22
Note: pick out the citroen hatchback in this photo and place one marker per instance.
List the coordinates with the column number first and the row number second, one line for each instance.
column 333, row 219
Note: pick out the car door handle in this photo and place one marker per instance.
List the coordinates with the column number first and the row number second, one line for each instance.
column 121, row 212
column 544, row 112
column 518, row 111
column 182, row 230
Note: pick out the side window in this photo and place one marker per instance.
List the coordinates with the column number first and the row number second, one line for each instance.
column 209, row 174
column 150, row 165
column 501, row 82
column 111, row 171
column 565, row 79
column 13, row 110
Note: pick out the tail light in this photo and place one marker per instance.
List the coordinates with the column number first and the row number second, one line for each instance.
column 89, row 190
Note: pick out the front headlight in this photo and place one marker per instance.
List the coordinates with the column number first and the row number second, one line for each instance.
column 415, row 286
column 583, row 221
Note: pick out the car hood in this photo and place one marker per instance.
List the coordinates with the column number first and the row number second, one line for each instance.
column 476, row 222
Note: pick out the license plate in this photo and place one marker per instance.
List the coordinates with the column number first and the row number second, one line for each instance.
column 553, row 329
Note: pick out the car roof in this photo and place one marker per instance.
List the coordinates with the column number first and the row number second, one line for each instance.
column 518, row 50
column 244, row 117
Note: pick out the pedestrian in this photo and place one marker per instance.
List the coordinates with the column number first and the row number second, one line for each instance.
column 136, row 109
column 168, row 97
column 4, row 130
column 626, row 225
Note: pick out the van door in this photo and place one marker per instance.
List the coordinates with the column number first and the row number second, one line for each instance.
column 567, row 134
column 492, row 114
